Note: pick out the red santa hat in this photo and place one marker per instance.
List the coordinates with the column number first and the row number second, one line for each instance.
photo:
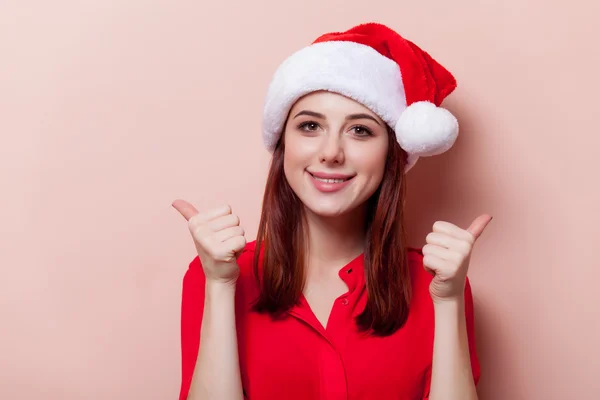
column 375, row 66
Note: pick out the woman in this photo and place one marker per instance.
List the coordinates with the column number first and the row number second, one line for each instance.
column 328, row 302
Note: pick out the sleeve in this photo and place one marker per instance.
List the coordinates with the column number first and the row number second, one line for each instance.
column 470, row 320
column 192, row 307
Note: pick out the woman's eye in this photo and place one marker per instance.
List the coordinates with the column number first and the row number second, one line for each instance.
column 361, row 131
column 309, row 126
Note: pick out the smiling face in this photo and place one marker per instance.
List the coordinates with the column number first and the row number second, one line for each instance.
column 335, row 153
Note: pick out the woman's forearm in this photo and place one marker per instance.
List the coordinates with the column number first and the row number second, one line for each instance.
column 451, row 374
column 217, row 371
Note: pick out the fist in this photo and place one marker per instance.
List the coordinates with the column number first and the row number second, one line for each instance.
column 218, row 238
column 447, row 255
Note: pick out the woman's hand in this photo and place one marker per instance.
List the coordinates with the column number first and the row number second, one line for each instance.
column 219, row 239
column 447, row 255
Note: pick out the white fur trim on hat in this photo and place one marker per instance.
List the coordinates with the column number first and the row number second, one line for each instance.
column 351, row 69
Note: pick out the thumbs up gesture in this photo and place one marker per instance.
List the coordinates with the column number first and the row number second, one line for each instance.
column 447, row 255
column 218, row 237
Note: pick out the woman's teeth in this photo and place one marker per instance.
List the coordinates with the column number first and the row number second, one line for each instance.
column 330, row 180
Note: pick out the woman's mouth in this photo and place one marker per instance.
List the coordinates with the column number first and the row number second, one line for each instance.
column 329, row 182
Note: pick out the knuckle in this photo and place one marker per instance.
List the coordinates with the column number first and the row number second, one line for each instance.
column 240, row 245
column 226, row 208
column 464, row 248
column 212, row 224
column 198, row 231
column 214, row 252
column 193, row 222
column 471, row 238
column 457, row 257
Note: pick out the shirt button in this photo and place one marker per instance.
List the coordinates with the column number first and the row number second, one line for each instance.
column 345, row 302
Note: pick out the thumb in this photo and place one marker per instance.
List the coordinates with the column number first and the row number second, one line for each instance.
column 477, row 226
column 185, row 209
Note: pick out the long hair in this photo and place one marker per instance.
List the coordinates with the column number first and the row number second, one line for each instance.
column 280, row 241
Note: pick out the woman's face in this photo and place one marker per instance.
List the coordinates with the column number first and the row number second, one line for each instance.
column 335, row 153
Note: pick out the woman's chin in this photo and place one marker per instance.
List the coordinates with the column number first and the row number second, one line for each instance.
column 327, row 211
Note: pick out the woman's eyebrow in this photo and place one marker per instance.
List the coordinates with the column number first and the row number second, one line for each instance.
column 361, row 116
column 310, row 113
column 348, row 118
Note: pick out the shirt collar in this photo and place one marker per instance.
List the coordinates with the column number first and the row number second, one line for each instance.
column 353, row 273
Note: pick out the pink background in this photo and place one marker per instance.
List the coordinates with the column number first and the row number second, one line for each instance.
column 110, row 110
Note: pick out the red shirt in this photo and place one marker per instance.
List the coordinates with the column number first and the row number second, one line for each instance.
column 297, row 359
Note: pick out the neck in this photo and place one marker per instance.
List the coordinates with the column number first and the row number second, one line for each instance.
column 335, row 241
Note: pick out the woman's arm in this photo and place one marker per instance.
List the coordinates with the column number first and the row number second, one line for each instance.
column 447, row 256
column 451, row 374
column 217, row 371
column 210, row 363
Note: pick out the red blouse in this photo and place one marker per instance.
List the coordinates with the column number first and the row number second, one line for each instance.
column 295, row 358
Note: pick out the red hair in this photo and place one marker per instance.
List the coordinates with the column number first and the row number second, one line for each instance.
column 281, row 244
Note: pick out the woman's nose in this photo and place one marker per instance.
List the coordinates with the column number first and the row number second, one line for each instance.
column 332, row 150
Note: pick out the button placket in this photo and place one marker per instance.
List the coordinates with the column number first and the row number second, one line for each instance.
column 334, row 385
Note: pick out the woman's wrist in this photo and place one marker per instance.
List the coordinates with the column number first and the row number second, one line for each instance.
column 450, row 313
column 454, row 303
column 218, row 287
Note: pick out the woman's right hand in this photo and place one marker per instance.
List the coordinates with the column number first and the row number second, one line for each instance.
column 219, row 239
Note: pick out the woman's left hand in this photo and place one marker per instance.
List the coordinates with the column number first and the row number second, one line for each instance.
column 447, row 255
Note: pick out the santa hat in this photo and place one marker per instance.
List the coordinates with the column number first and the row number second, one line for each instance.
column 375, row 66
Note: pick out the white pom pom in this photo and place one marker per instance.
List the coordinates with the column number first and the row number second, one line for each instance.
column 426, row 130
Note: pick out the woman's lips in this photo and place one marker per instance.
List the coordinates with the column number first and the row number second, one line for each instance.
column 329, row 183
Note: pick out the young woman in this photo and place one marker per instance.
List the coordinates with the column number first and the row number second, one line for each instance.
column 328, row 302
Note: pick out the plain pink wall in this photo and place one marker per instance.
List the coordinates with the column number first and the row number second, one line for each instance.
column 110, row 110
